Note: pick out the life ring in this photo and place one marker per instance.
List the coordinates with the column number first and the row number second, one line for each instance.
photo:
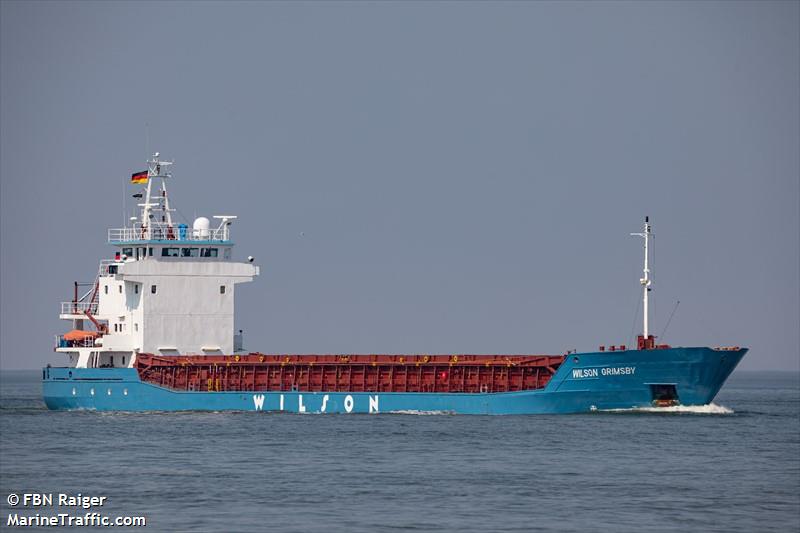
column 236, row 358
column 426, row 358
column 402, row 360
column 455, row 359
column 261, row 358
column 287, row 359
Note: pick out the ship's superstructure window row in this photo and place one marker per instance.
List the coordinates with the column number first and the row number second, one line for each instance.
column 189, row 252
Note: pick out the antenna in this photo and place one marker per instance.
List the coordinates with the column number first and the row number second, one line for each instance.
column 677, row 303
column 645, row 281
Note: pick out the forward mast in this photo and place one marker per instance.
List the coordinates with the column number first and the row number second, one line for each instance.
column 645, row 340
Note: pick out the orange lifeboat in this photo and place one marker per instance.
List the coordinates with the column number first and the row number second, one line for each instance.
column 79, row 335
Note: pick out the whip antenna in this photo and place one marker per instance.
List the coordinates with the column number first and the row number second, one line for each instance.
column 677, row 303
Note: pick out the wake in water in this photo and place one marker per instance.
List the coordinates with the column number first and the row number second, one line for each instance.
column 708, row 409
column 421, row 413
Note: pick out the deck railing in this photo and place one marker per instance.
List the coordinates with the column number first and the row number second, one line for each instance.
column 108, row 267
column 78, row 308
column 86, row 342
column 167, row 233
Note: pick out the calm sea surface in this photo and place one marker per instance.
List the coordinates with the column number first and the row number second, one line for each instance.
column 731, row 469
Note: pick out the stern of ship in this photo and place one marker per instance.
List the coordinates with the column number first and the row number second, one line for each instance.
column 90, row 388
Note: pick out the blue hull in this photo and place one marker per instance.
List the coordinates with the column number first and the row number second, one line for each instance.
column 584, row 382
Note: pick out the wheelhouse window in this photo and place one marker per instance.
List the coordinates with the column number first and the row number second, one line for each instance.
column 127, row 251
column 189, row 252
column 150, row 252
column 209, row 252
column 170, row 252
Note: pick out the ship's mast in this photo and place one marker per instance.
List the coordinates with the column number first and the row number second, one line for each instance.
column 156, row 169
column 645, row 281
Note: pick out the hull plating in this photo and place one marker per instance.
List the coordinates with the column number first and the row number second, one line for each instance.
column 584, row 382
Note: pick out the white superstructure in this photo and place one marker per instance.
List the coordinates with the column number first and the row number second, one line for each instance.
column 168, row 291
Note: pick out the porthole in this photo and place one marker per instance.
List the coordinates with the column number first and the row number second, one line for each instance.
column 74, row 391
column 124, row 392
column 91, row 391
column 108, row 392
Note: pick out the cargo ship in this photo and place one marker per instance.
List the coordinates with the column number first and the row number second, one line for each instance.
column 155, row 331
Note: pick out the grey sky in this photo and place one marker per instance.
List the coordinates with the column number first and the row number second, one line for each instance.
column 465, row 174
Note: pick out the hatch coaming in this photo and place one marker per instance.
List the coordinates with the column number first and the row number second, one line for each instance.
column 350, row 373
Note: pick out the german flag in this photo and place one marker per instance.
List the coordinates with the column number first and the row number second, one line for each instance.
column 139, row 177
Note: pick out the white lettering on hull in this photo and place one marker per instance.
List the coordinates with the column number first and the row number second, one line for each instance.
column 584, row 373
column 258, row 400
column 580, row 373
column 349, row 403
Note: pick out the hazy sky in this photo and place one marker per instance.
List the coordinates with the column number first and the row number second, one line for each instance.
column 419, row 177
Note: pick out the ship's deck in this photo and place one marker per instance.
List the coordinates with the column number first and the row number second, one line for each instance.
column 350, row 373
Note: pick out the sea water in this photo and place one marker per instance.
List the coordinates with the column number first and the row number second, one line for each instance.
column 730, row 466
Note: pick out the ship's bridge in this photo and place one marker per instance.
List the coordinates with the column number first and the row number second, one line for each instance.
column 178, row 240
